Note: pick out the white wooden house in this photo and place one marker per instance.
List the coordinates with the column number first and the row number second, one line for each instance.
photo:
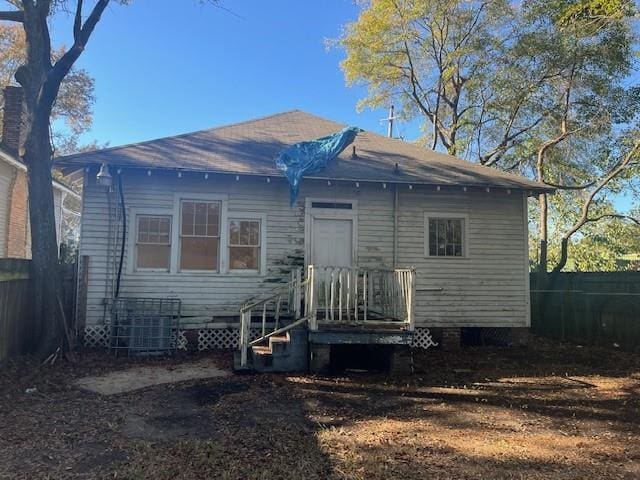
column 434, row 241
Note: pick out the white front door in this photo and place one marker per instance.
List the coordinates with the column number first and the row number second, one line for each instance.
column 332, row 242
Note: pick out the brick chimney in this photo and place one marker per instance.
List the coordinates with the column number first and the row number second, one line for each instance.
column 13, row 131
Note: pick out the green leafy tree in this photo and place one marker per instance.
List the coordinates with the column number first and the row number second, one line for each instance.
column 540, row 87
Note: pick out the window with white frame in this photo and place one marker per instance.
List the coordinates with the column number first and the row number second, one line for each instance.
column 199, row 235
column 245, row 244
column 445, row 236
column 153, row 241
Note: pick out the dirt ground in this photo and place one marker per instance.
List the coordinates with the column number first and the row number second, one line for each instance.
column 547, row 411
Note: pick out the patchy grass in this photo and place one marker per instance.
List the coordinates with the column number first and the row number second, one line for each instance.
column 548, row 411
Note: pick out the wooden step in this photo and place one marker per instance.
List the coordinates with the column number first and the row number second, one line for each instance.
column 261, row 350
column 279, row 338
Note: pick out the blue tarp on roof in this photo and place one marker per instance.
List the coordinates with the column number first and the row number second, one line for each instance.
column 309, row 157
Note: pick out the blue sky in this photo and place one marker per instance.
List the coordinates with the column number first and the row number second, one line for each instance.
column 165, row 67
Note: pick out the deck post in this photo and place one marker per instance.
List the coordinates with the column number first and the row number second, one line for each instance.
column 245, row 319
column 412, row 296
column 264, row 319
column 365, row 298
column 297, row 297
column 313, row 321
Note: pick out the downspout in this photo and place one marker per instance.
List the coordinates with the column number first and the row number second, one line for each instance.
column 395, row 226
column 107, row 278
column 124, row 235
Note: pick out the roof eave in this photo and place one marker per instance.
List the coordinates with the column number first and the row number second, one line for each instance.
column 530, row 189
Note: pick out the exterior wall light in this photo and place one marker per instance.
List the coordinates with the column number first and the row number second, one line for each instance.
column 104, row 177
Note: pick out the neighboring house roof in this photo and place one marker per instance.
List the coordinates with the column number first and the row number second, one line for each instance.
column 251, row 147
column 57, row 184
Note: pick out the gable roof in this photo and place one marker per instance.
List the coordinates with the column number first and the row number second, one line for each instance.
column 251, row 147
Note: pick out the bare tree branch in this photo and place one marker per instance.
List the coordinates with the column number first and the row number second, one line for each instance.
column 12, row 16
column 615, row 215
column 615, row 171
column 77, row 23
column 571, row 187
column 64, row 64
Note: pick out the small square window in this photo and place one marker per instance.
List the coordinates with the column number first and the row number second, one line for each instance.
column 445, row 237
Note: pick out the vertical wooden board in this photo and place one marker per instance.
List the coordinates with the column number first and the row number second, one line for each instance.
column 81, row 293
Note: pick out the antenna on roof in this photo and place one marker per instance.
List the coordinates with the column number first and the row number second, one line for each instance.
column 389, row 121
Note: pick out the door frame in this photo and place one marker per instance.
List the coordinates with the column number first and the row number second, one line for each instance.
column 311, row 213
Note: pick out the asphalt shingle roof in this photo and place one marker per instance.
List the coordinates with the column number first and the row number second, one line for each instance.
column 251, row 147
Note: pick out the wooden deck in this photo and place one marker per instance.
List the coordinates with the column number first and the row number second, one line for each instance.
column 337, row 305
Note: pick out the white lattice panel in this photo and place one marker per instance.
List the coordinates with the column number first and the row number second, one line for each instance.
column 422, row 339
column 96, row 336
column 217, row 338
column 182, row 340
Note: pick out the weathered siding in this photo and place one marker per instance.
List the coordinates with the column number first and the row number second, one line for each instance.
column 6, row 179
column 488, row 287
column 474, row 288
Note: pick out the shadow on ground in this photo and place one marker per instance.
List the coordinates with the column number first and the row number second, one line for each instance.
column 548, row 411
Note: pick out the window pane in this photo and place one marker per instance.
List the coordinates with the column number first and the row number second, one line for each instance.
column 164, row 226
column 153, row 256
column 188, row 218
column 143, row 229
column 433, row 236
column 442, row 236
column 445, row 237
column 254, row 233
column 164, row 232
column 244, row 233
column 200, row 229
column 234, row 232
column 199, row 253
column 244, row 258
column 154, row 229
column 213, row 219
column 457, row 232
column 187, row 207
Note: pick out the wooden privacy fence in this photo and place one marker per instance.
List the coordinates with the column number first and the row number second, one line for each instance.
column 598, row 308
column 16, row 321
column 17, row 325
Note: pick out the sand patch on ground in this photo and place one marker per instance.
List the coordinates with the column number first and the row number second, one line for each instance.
column 142, row 377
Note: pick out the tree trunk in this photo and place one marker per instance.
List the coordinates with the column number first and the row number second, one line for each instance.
column 45, row 275
column 564, row 255
column 543, row 232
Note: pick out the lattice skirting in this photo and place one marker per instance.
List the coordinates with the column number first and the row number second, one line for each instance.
column 219, row 338
column 225, row 337
column 422, row 338
column 97, row 336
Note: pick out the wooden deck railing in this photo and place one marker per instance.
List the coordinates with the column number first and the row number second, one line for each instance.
column 285, row 299
column 332, row 295
column 360, row 295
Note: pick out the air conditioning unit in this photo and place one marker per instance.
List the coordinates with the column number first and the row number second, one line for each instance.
column 151, row 334
column 145, row 325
